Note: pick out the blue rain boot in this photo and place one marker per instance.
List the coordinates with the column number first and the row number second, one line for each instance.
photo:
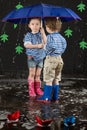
column 55, row 93
column 46, row 97
column 69, row 121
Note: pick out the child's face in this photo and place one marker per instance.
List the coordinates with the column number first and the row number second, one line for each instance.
column 34, row 25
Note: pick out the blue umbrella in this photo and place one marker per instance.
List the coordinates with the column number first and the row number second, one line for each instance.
column 40, row 10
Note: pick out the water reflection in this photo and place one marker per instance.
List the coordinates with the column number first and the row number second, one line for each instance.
column 42, row 128
column 14, row 96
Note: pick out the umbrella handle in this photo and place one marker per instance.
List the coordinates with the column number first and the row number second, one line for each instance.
column 41, row 24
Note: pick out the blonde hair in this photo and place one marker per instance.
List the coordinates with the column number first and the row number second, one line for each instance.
column 54, row 24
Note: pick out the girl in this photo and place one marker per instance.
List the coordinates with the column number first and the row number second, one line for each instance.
column 35, row 54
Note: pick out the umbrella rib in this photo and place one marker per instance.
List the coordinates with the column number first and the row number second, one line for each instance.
column 71, row 14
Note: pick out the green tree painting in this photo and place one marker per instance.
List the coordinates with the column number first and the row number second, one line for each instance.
column 19, row 49
column 81, row 7
column 4, row 37
column 68, row 32
column 83, row 45
column 15, row 26
column 19, row 5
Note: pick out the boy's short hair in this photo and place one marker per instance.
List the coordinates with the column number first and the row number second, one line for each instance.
column 54, row 24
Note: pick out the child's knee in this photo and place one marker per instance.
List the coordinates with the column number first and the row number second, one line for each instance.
column 37, row 77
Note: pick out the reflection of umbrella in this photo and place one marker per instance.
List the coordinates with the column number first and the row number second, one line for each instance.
column 40, row 10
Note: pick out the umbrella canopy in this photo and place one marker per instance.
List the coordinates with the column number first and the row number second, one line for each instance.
column 40, row 10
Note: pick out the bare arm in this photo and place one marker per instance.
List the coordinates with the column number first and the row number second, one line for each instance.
column 43, row 35
column 31, row 46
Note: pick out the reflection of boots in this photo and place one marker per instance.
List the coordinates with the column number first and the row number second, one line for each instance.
column 31, row 90
column 37, row 88
column 55, row 92
column 46, row 97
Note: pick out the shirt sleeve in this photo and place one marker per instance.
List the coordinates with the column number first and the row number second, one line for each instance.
column 50, row 42
column 64, row 44
column 27, row 39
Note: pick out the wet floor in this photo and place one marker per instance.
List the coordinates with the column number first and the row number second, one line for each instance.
column 73, row 101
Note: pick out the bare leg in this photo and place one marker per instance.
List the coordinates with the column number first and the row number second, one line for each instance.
column 49, row 83
column 32, row 73
column 38, row 82
column 37, row 74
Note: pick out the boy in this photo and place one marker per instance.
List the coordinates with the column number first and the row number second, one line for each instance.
column 55, row 47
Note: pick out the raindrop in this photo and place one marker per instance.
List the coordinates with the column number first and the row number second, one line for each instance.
column 13, row 59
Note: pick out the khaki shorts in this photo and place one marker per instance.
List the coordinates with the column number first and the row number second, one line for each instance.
column 52, row 68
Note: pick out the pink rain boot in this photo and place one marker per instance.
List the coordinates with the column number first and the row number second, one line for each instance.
column 31, row 89
column 37, row 88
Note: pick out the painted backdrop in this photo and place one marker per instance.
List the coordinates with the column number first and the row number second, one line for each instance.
column 12, row 51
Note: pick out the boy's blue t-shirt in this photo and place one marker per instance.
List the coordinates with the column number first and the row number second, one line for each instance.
column 56, row 44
